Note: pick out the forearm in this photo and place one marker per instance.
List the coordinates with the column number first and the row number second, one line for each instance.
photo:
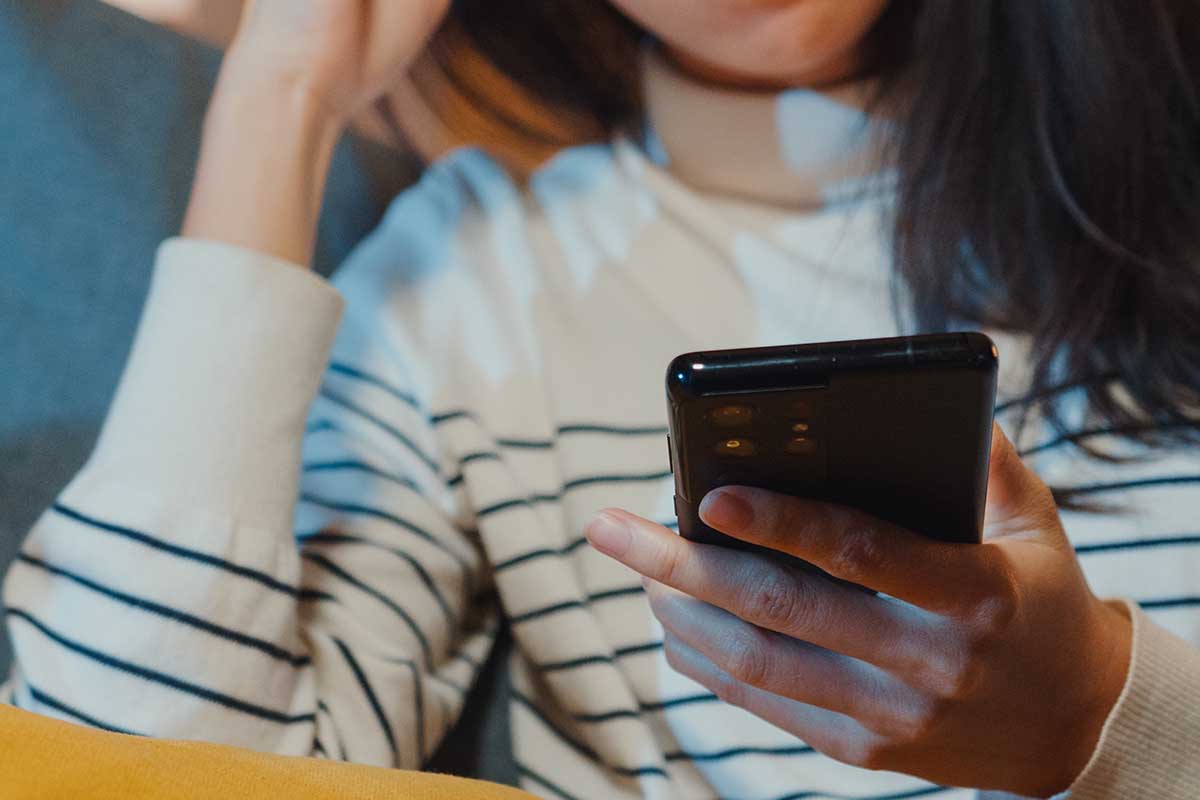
column 263, row 164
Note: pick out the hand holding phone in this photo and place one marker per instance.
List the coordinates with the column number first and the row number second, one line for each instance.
column 987, row 665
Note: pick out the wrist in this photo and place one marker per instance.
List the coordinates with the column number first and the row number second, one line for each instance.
column 267, row 145
column 1104, row 682
column 251, row 77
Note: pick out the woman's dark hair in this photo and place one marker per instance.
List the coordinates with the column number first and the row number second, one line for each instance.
column 1048, row 156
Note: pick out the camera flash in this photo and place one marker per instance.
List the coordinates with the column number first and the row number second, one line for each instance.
column 736, row 447
column 800, row 427
column 732, row 416
column 800, row 446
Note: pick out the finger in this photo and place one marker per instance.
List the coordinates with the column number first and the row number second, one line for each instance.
column 770, row 594
column 780, row 664
column 1017, row 499
column 854, row 546
column 833, row 734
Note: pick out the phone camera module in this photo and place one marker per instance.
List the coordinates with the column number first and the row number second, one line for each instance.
column 736, row 448
column 732, row 416
column 800, row 446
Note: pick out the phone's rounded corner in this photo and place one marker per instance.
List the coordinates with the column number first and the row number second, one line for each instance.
column 680, row 378
column 986, row 353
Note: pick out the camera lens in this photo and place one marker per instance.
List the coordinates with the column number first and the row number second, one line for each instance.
column 800, row 446
column 737, row 448
column 800, row 427
column 732, row 416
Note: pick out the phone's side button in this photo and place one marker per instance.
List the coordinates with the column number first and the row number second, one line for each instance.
column 670, row 457
column 676, row 499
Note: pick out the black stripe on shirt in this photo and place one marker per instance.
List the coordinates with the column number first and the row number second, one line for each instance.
column 529, row 502
column 1138, row 544
column 682, row 756
column 154, row 676
column 566, row 429
column 418, row 634
column 245, row 640
column 579, row 747
column 337, row 737
column 1170, row 602
column 324, row 537
column 528, row 774
column 397, row 434
column 544, row 552
column 596, row 717
column 373, row 699
column 525, row 444
column 319, row 425
column 411, row 527
column 614, row 430
column 349, row 371
column 924, row 791
column 360, row 466
column 570, row 485
column 469, row 458
column 42, row 698
column 567, row 605
column 676, row 702
column 647, row 477
column 559, row 552
column 1140, row 483
column 419, row 711
column 175, row 550
column 584, row 661
column 739, row 752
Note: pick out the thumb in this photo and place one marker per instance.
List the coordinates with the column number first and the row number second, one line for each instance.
column 1018, row 502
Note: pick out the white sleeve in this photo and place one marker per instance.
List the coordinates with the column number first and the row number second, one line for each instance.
column 166, row 592
column 1150, row 746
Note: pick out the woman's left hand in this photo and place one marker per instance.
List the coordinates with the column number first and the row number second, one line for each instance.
column 989, row 666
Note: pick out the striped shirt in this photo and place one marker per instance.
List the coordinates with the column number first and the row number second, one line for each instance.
column 305, row 545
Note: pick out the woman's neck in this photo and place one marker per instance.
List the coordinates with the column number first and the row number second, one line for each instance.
column 845, row 67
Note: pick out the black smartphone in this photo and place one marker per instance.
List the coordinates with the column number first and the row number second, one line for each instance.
column 899, row 428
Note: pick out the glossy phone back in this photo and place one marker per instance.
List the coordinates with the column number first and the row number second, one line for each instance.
column 900, row 428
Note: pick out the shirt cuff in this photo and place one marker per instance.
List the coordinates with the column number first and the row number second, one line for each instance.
column 1150, row 744
column 211, row 408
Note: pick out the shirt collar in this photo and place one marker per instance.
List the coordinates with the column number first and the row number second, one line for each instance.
column 801, row 148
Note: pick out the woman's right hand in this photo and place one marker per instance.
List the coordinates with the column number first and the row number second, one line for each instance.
column 295, row 75
column 342, row 53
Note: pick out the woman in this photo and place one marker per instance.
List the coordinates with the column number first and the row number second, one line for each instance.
column 1028, row 168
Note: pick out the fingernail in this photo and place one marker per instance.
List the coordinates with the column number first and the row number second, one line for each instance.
column 609, row 534
column 725, row 510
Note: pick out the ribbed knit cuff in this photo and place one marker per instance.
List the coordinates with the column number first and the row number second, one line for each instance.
column 210, row 411
column 1150, row 745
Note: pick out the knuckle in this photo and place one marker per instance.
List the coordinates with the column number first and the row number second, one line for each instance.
column 922, row 722
column 991, row 616
column 672, row 562
column 747, row 661
column 728, row 689
column 873, row 753
column 958, row 676
column 857, row 554
column 772, row 599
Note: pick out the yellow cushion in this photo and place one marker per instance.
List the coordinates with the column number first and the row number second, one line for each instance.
column 45, row 758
